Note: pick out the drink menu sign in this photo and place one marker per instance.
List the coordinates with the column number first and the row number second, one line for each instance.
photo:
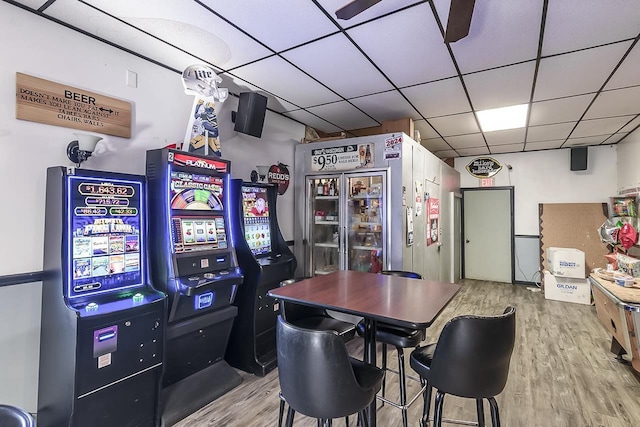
column 342, row 157
column 51, row 103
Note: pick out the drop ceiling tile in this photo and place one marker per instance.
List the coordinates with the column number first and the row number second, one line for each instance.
column 506, row 148
column 615, row 138
column 627, row 74
column 566, row 75
column 501, row 87
column 600, row 126
column 277, row 76
column 440, row 98
column 618, row 102
column 344, row 115
column 458, row 124
column 502, row 137
column 379, row 9
column 466, row 141
column 572, row 24
column 435, row 144
column 33, row 4
column 508, row 29
column 282, row 23
column 407, row 46
column 475, row 151
column 560, row 110
column 237, row 85
column 385, row 106
column 426, row 131
column 587, row 140
column 185, row 25
column 632, row 125
column 312, row 120
column 543, row 145
column 337, row 63
column 446, row 154
column 101, row 25
column 549, row 132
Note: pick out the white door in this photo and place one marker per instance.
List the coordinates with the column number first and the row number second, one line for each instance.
column 488, row 234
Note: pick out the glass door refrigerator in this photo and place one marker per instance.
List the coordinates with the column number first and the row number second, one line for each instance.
column 347, row 222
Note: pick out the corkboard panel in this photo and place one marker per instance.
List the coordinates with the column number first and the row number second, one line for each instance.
column 573, row 225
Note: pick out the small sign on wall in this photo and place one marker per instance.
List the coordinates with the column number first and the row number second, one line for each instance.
column 484, row 167
column 51, row 103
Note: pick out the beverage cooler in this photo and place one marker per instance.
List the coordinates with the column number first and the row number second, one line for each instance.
column 373, row 203
column 347, row 222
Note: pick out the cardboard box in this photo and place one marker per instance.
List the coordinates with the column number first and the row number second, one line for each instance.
column 566, row 262
column 567, row 289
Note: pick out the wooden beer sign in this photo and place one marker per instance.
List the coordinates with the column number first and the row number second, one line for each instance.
column 51, row 103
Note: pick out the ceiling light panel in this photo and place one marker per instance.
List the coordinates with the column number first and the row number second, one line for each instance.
column 407, row 46
column 385, row 106
column 618, row 102
column 344, row 115
column 458, row 124
column 549, row 132
column 508, row 29
column 288, row 82
column 495, row 119
column 576, row 24
column 282, row 24
column 600, row 126
column 186, row 25
column 566, row 75
column 501, row 87
column 379, row 9
column 441, row 98
column 313, row 121
column 337, row 63
column 560, row 110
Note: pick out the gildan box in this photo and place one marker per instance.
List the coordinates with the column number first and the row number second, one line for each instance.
column 567, row 289
column 566, row 262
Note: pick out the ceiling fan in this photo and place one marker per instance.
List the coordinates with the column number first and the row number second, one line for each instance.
column 458, row 24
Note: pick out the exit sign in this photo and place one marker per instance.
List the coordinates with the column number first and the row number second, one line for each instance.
column 487, row 182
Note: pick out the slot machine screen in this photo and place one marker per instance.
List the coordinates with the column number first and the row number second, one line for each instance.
column 198, row 233
column 105, row 239
column 190, row 191
column 257, row 227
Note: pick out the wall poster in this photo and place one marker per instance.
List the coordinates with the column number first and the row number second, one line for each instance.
column 433, row 221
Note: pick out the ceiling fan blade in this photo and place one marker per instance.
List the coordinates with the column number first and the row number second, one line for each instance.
column 353, row 8
column 459, row 21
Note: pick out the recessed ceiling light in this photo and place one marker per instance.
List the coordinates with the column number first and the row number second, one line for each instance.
column 503, row 118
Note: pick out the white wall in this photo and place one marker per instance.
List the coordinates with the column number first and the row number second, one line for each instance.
column 628, row 158
column 545, row 177
column 38, row 47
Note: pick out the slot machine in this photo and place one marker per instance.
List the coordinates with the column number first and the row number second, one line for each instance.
column 266, row 260
column 102, row 334
column 192, row 260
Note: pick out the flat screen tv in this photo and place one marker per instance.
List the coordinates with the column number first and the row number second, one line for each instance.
column 104, row 238
column 257, row 225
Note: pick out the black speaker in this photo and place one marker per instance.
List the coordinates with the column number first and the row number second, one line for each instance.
column 579, row 157
column 250, row 116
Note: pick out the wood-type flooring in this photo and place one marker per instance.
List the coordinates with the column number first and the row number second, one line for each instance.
column 562, row 373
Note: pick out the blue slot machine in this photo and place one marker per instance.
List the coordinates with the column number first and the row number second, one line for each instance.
column 266, row 260
column 194, row 262
column 102, row 334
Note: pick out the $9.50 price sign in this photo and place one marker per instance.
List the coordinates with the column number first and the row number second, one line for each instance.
column 335, row 158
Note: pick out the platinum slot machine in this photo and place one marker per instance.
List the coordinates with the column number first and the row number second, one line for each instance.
column 194, row 262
